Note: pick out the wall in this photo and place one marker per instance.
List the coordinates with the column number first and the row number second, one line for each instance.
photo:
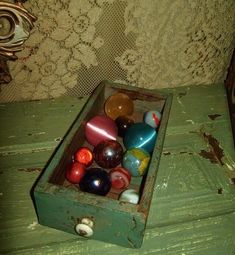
column 75, row 44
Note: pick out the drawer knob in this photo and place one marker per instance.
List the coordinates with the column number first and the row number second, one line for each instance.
column 85, row 227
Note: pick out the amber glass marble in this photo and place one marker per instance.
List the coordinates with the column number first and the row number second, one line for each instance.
column 118, row 104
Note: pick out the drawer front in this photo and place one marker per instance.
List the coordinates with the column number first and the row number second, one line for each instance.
column 91, row 222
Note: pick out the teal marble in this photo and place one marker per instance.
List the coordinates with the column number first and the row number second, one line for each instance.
column 140, row 135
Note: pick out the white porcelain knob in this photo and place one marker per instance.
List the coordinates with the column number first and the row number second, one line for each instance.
column 85, row 227
column 87, row 222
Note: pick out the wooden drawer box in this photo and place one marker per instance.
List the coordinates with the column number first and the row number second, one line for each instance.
column 62, row 205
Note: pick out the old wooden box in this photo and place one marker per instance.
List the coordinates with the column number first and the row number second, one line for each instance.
column 62, row 205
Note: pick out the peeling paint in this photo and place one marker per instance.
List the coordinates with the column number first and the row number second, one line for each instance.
column 39, row 133
column 220, row 191
column 232, row 180
column 58, row 139
column 215, row 152
column 130, row 242
column 166, row 153
column 134, row 223
column 180, row 102
column 164, row 185
column 181, row 94
column 29, row 170
column 191, row 121
column 33, row 225
column 11, row 136
column 231, row 168
column 214, row 116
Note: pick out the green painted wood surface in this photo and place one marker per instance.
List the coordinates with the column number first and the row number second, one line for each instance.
column 192, row 210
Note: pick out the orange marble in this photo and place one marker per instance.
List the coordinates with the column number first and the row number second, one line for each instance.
column 117, row 105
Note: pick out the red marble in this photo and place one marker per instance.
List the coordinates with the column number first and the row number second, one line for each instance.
column 120, row 178
column 75, row 172
column 84, row 156
column 108, row 153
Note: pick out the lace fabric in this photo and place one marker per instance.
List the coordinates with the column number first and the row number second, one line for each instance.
column 154, row 44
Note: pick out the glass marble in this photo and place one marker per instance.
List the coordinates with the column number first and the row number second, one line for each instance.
column 108, row 153
column 136, row 161
column 140, row 135
column 100, row 128
column 117, row 105
column 120, row 178
column 130, row 196
column 95, row 181
column 84, row 156
column 152, row 118
column 123, row 123
column 75, row 172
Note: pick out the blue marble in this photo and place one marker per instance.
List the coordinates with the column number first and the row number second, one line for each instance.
column 140, row 135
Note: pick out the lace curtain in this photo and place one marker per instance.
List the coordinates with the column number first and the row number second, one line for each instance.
column 152, row 43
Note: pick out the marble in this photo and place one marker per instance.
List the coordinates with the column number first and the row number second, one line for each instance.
column 108, row 153
column 140, row 135
column 84, row 156
column 75, row 172
column 120, row 178
column 95, row 181
column 130, row 196
column 152, row 118
column 136, row 161
column 123, row 123
column 100, row 128
column 118, row 104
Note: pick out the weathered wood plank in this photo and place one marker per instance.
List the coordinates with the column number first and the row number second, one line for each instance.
column 36, row 124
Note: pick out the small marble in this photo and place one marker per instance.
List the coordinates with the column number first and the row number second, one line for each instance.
column 75, row 172
column 123, row 123
column 152, row 118
column 84, row 156
column 120, row 178
column 129, row 195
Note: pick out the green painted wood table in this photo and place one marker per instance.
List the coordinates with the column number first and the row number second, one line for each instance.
column 193, row 205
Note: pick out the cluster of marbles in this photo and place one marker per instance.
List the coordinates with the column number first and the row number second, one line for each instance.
column 115, row 167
